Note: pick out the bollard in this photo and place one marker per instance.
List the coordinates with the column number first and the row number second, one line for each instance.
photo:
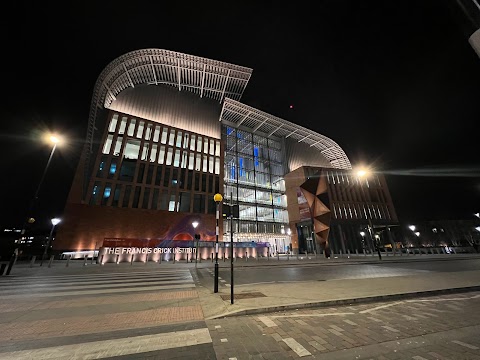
column 315, row 252
column 101, row 259
column 146, row 259
column 68, row 260
column 234, row 256
column 85, row 260
column 131, row 260
column 348, row 253
column 268, row 254
column 246, row 255
column 174, row 256
column 211, row 257
column 356, row 252
column 32, row 262
column 364, row 253
column 288, row 255
column 118, row 259
column 160, row 259
column 340, row 253
column 51, row 260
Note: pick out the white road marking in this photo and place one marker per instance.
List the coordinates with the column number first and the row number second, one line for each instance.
column 311, row 315
column 380, row 307
column 295, row 346
column 374, row 319
column 350, row 322
column 406, row 317
column 465, row 344
column 218, row 326
column 116, row 347
column 223, row 281
column 335, row 327
column 267, row 321
column 224, row 340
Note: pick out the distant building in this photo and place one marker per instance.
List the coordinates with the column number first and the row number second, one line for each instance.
column 167, row 131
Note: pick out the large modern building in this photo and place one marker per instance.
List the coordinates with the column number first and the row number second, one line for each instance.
column 167, row 131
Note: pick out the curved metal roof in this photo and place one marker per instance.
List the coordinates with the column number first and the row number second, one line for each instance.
column 205, row 77
column 238, row 115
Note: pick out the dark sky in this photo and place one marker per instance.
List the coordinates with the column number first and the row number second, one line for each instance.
column 394, row 83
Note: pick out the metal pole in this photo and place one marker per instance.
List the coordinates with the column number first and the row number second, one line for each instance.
column 215, row 285
column 48, row 245
column 231, row 251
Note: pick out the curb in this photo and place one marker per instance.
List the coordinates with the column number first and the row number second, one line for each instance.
column 361, row 300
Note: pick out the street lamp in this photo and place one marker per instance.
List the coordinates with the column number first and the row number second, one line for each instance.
column 217, row 198
column 195, row 224
column 364, row 173
column 477, row 215
column 55, row 222
column 412, row 227
column 55, row 140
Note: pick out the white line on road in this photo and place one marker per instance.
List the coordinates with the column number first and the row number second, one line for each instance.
column 295, row 346
column 311, row 315
column 267, row 321
column 116, row 347
column 465, row 345
column 390, row 328
column 380, row 307
column 350, row 322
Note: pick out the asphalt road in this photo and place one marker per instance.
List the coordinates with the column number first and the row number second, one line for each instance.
column 314, row 272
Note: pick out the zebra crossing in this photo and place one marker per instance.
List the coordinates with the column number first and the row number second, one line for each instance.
column 98, row 283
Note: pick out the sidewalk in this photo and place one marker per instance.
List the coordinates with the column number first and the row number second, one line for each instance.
column 263, row 298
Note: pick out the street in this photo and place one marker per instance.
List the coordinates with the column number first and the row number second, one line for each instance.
column 169, row 311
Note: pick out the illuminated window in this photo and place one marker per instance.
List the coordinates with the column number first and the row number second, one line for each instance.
column 184, row 159
column 205, row 164
column 108, row 144
column 148, row 132
column 153, row 153
column 161, row 154
column 217, row 148
column 191, row 161
column 171, row 140
column 156, row 133
column 197, row 163
column 179, row 139
column 185, row 141
column 192, row 143
column 169, row 156
column 131, row 127
column 210, row 164
column 176, row 160
column 113, row 123
column 164, row 135
column 141, row 125
column 123, row 125
column 205, row 146
column 132, row 149
column 199, row 144
column 217, row 165
column 118, row 146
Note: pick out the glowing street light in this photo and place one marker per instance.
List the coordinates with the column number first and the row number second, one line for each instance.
column 55, row 222
column 417, row 233
column 477, row 215
column 412, row 227
column 361, row 174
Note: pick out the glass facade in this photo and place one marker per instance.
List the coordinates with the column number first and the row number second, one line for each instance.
column 254, row 178
column 147, row 165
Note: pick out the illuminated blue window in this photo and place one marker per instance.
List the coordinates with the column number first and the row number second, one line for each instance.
column 107, row 191
column 232, row 172
column 95, row 190
column 255, row 153
column 240, row 165
column 229, row 130
column 102, row 164
column 113, row 168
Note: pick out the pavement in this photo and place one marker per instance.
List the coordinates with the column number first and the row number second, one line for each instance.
column 271, row 297
column 169, row 311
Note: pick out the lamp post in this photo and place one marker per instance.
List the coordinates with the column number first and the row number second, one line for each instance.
column 55, row 222
column 195, row 224
column 217, row 198
column 362, row 173
column 55, row 140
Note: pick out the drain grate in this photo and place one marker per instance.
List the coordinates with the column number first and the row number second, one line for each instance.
column 244, row 296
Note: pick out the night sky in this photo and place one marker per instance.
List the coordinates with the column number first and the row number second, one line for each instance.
column 394, row 83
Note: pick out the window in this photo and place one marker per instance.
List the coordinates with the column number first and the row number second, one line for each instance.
column 184, row 202
column 131, row 127
column 161, row 154
column 127, row 171
column 197, row 164
column 101, row 166
column 148, row 133
column 205, row 146
column 136, row 197
column 113, row 168
column 108, row 144
column 169, row 156
column 164, row 135
column 199, row 203
column 116, row 195
column 166, row 179
column 210, row 164
column 126, row 196
column 217, row 148
column 106, row 193
column 164, row 200
column 145, row 152
column 171, row 203
column 183, row 165
column 123, row 125
column 146, row 195
column 149, row 174
column 155, row 199
column 179, row 139
column 132, row 149
column 158, row 177
column 204, row 183
column 153, row 153
column 95, row 193
column 212, row 147
column 205, row 164
column 185, row 141
column 217, row 165
column 113, row 123
column 176, row 160
column 199, row 144
column 192, row 143
column 141, row 125
column 171, row 140
column 141, row 170
column 156, row 134
column 118, row 146
column 191, row 161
